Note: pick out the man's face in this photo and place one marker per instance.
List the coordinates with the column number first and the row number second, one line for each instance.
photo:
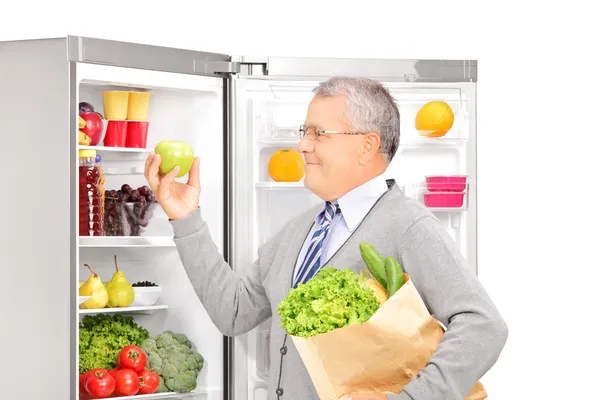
column 330, row 159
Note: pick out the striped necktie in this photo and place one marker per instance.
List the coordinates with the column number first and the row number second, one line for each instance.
column 312, row 260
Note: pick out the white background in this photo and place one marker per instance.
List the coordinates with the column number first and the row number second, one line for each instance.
column 538, row 129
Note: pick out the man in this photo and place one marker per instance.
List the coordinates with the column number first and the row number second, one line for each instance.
column 351, row 133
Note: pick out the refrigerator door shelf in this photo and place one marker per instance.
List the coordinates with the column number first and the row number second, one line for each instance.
column 420, row 142
column 125, row 310
column 117, row 151
column 194, row 395
column 126, row 241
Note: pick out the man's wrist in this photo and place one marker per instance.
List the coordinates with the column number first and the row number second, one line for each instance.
column 188, row 225
column 180, row 215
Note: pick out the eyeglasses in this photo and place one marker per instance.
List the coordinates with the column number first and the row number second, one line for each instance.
column 312, row 132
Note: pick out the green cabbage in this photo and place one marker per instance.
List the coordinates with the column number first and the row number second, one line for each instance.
column 332, row 299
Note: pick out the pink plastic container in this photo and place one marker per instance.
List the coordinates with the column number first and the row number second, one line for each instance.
column 446, row 183
column 444, row 199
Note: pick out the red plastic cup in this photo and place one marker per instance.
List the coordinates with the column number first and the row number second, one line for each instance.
column 116, row 134
column 137, row 134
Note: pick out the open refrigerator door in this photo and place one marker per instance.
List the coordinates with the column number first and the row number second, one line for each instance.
column 137, row 234
column 102, row 107
column 435, row 165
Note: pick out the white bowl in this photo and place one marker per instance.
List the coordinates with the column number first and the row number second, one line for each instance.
column 146, row 295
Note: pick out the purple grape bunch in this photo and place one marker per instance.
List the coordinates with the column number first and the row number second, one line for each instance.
column 128, row 210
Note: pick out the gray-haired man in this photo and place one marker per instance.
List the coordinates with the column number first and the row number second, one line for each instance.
column 350, row 135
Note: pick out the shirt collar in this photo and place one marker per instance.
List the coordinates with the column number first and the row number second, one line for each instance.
column 356, row 203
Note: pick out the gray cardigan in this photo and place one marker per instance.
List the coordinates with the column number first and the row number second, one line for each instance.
column 397, row 225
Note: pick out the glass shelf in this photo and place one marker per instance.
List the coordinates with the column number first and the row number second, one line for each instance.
column 125, row 310
column 115, row 149
column 126, row 241
column 280, row 185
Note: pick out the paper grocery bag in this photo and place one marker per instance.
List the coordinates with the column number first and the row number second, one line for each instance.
column 380, row 355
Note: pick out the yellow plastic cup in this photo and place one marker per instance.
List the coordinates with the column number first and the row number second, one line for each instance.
column 139, row 104
column 115, row 105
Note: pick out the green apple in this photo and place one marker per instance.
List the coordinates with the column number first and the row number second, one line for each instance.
column 174, row 153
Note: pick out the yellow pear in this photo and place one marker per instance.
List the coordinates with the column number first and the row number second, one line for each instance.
column 120, row 292
column 93, row 287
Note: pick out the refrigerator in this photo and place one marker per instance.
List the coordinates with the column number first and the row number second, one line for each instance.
column 235, row 112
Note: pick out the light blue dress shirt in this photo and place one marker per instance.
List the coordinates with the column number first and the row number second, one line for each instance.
column 354, row 206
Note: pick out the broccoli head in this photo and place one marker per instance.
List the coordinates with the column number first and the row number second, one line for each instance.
column 170, row 355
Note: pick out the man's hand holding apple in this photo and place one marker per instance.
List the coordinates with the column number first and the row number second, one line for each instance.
column 178, row 200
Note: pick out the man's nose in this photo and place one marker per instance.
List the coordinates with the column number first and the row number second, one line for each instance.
column 305, row 146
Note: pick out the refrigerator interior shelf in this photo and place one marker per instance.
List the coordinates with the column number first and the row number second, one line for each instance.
column 126, row 241
column 125, row 310
column 447, row 209
column 166, row 395
column 280, row 185
column 433, row 142
column 289, row 141
column 116, row 149
column 124, row 170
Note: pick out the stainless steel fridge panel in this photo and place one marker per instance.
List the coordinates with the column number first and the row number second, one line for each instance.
column 382, row 69
column 142, row 56
column 472, row 223
column 37, row 231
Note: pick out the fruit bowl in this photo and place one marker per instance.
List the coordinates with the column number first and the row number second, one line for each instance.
column 146, row 296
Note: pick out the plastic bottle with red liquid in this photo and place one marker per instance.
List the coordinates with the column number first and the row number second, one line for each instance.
column 101, row 185
column 90, row 195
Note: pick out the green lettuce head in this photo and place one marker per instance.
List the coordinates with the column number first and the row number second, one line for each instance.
column 331, row 299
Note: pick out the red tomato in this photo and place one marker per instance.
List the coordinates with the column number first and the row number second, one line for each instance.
column 132, row 357
column 127, row 382
column 113, row 372
column 82, row 378
column 149, row 382
column 100, row 383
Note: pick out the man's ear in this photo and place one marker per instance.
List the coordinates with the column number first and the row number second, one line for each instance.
column 370, row 146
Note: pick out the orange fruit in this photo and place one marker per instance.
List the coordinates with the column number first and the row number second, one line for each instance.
column 286, row 165
column 434, row 119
